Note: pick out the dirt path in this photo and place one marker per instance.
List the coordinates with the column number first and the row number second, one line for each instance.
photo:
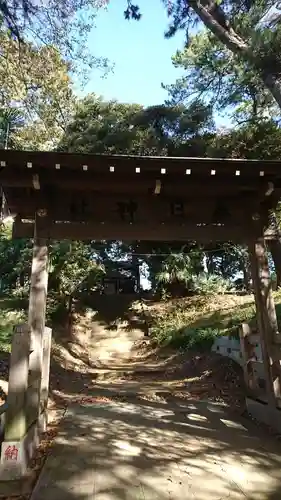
column 152, row 451
column 115, row 364
column 148, row 372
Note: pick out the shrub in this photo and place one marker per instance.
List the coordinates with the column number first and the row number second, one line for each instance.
column 8, row 319
column 194, row 338
column 207, row 284
column 169, row 332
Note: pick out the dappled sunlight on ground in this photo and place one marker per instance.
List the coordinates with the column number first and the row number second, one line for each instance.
column 152, row 437
column 153, row 451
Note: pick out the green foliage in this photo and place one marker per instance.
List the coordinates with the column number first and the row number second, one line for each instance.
column 11, row 120
column 72, row 266
column 227, row 83
column 201, row 338
column 36, row 93
column 100, row 126
column 177, row 130
column 15, row 261
column 259, row 140
column 61, row 24
column 9, row 317
column 195, row 323
column 72, row 269
column 175, row 268
column 207, row 284
column 182, row 272
column 185, row 338
column 233, row 79
column 229, row 261
column 243, row 56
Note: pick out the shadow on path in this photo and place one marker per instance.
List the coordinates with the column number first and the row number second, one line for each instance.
column 152, row 451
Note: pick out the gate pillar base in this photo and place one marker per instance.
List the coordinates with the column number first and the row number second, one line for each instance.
column 15, row 455
column 264, row 413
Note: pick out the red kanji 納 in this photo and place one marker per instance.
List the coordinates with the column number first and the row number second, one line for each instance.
column 11, row 453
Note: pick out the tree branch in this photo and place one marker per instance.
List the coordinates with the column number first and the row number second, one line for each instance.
column 235, row 44
column 224, row 33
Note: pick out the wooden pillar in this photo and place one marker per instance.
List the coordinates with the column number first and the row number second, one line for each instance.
column 14, row 460
column 25, row 378
column 36, row 321
column 248, row 356
column 15, row 419
column 44, row 391
column 266, row 318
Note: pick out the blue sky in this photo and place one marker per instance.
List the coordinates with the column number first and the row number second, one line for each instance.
column 141, row 54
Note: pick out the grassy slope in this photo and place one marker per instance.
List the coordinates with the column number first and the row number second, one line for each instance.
column 195, row 321
column 11, row 313
column 177, row 322
column 190, row 322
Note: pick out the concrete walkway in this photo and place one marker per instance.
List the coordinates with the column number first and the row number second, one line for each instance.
column 155, row 451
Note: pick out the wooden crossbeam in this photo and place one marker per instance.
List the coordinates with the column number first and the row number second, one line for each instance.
column 67, row 206
column 128, row 232
column 101, row 163
column 109, row 182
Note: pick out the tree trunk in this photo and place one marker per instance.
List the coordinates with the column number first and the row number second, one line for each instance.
column 70, row 313
column 217, row 22
column 246, row 277
column 223, row 32
column 210, row 264
column 22, row 279
column 275, row 250
column 135, row 264
column 273, row 85
column 275, row 247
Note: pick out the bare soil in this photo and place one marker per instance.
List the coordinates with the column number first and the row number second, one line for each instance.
column 100, row 361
